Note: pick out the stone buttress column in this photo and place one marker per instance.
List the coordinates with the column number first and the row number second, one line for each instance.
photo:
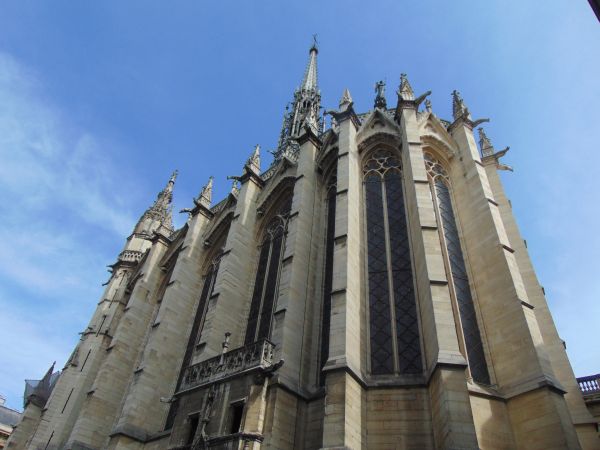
column 582, row 419
column 143, row 414
column 100, row 409
column 520, row 365
column 343, row 403
column 294, row 312
column 227, row 307
column 452, row 418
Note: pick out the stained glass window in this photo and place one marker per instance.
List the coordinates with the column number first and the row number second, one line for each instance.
column 460, row 280
column 328, row 281
column 393, row 323
column 267, row 276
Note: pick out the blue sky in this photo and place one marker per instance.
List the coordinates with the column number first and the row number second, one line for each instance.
column 100, row 101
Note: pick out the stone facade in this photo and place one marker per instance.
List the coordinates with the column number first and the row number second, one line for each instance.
column 369, row 289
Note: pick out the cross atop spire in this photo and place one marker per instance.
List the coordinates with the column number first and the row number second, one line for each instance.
column 309, row 81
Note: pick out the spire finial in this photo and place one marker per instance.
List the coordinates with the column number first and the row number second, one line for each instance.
column 315, row 46
column 309, row 81
column 405, row 91
column 458, row 106
column 205, row 197
column 485, row 144
column 380, row 97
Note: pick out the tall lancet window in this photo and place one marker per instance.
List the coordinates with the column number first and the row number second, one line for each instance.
column 393, row 324
column 208, row 285
column 267, row 276
column 331, row 195
column 473, row 345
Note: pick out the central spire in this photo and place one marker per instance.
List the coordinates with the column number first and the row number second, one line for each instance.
column 305, row 108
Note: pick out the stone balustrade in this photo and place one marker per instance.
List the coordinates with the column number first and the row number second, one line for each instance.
column 589, row 384
column 236, row 441
column 256, row 355
column 130, row 256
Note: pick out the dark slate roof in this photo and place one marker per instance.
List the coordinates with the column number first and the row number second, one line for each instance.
column 9, row 416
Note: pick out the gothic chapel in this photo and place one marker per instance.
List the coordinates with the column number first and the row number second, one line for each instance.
column 368, row 290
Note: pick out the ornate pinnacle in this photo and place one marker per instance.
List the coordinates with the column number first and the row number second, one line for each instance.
column 205, row 197
column 458, row 106
column 487, row 149
column 253, row 162
column 346, row 100
column 405, row 92
column 162, row 206
column 380, row 97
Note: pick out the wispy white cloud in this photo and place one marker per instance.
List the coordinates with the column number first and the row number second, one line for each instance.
column 61, row 204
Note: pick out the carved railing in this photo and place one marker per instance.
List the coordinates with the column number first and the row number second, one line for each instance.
column 590, row 384
column 258, row 354
column 130, row 256
column 236, row 441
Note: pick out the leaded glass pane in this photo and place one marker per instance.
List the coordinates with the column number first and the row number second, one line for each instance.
column 468, row 317
column 267, row 274
column 257, row 294
column 270, row 287
column 405, row 309
column 328, row 282
column 380, row 330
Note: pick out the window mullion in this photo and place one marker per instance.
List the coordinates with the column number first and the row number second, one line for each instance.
column 388, row 253
column 264, row 287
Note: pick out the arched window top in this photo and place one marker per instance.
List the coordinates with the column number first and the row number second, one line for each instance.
column 434, row 168
column 277, row 225
column 380, row 162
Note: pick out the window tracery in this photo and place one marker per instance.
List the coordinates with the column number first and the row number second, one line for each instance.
column 267, row 275
column 440, row 186
column 393, row 323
